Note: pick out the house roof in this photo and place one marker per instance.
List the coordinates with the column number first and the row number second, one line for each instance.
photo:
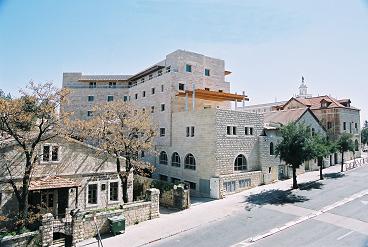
column 285, row 116
column 52, row 182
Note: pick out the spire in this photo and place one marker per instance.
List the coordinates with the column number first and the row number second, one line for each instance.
column 303, row 90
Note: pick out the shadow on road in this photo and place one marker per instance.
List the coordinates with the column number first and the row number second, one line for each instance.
column 334, row 175
column 275, row 197
column 311, row 185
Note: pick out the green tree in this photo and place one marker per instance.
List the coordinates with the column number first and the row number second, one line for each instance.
column 295, row 147
column 321, row 148
column 364, row 134
column 345, row 144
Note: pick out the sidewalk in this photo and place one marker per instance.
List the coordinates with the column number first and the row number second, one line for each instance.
column 200, row 214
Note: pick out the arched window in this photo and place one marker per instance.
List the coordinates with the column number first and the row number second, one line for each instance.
column 175, row 159
column 163, row 158
column 356, row 145
column 240, row 163
column 272, row 149
column 189, row 162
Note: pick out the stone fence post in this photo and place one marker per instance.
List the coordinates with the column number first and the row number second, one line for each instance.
column 47, row 230
column 153, row 195
column 77, row 227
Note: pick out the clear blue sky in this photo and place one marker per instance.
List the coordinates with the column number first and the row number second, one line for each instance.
column 267, row 44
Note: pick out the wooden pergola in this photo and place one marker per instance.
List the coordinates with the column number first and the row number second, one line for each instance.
column 212, row 95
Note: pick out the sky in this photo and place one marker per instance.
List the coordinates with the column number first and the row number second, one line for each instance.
column 268, row 45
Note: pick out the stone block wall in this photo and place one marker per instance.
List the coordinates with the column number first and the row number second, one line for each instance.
column 23, row 240
column 255, row 178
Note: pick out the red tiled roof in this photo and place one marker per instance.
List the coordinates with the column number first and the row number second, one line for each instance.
column 315, row 102
column 285, row 116
column 52, row 182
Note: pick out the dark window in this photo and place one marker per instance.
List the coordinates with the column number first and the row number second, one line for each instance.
column 181, row 86
column 110, row 98
column 125, row 98
column 243, row 183
column 229, row 186
column 269, row 169
column 159, row 73
column 136, row 96
column 168, row 69
column 46, row 153
column 272, row 149
column 89, row 113
column 114, row 191
column 91, row 98
column 188, row 131
column 344, row 125
column 188, row 68
column 163, row 177
column 228, row 130
column 356, row 125
column 206, row 72
column 207, row 89
column 112, row 84
column 313, row 132
column 92, row 85
column 234, row 130
column 192, row 185
column 350, row 127
column 162, row 88
column 92, row 194
column 144, row 94
column 162, row 131
column 142, row 80
column 192, row 131
column 150, row 77
column 246, row 131
column 162, row 107
column 55, row 153
column 1, row 198
column 189, row 162
column 240, row 163
column 220, row 91
column 175, row 159
column 329, row 125
column 356, row 145
column 163, row 158
column 152, row 109
column 103, row 187
column 153, row 90
column 251, row 131
column 142, row 154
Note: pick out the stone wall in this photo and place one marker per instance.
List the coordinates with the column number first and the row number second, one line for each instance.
column 23, row 240
column 252, row 179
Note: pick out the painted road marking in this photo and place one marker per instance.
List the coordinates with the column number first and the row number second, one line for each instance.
column 252, row 240
column 343, row 236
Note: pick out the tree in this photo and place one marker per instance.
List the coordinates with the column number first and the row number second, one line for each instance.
column 27, row 121
column 321, row 148
column 344, row 144
column 295, row 147
column 364, row 134
column 120, row 130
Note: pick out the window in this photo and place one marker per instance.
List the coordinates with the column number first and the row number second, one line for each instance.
column 162, row 107
column 189, row 162
column 356, row 145
column 240, row 163
column 192, row 131
column 89, row 113
column 356, row 125
column 142, row 154
column 243, row 183
column 162, row 132
column 112, row 84
column 168, row 69
column 144, row 94
column 150, row 77
column 329, row 125
column 188, row 131
column 206, row 72
column 163, row 177
column 251, row 131
column 110, row 98
column 313, row 132
column 229, row 186
column 344, row 125
column 91, row 98
column 175, row 159
column 92, row 194
column 55, row 153
column 47, row 199
column 181, row 86
column 159, row 73
column 114, row 191
column 248, row 131
column 269, row 169
column 135, row 112
column 46, row 153
column 272, row 150
column 144, row 110
column 175, row 180
column 163, row 158
column 192, row 185
column 136, row 96
column 152, row 109
column 188, row 68
column 142, row 80
column 162, row 88
column 1, row 198
column 103, row 187
column 92, row 85
column 350, row 128
column 125, row 98
column 231, row 130
column 153, row 90
column 207, row 89
column 220, row 91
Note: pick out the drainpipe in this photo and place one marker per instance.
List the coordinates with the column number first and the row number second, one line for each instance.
column 193, row 98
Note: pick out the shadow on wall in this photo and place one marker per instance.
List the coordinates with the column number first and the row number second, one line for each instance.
column 275, row 197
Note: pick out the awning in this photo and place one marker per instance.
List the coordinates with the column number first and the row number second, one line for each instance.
column 52, row 182
column 212, row 95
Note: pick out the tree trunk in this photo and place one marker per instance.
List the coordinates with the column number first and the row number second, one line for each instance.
column 320, row 161
column 123, row 179
column 342, row 161
column 23, row 203
column 295, row 183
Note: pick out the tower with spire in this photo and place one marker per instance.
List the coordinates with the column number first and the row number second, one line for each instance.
column 303, row 90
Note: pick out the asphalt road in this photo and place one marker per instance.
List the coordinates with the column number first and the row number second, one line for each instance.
column 343, row 221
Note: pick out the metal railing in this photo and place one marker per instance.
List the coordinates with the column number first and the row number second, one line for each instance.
column 357, row 163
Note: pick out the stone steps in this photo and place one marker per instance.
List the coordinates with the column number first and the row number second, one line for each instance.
column 58, row 243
